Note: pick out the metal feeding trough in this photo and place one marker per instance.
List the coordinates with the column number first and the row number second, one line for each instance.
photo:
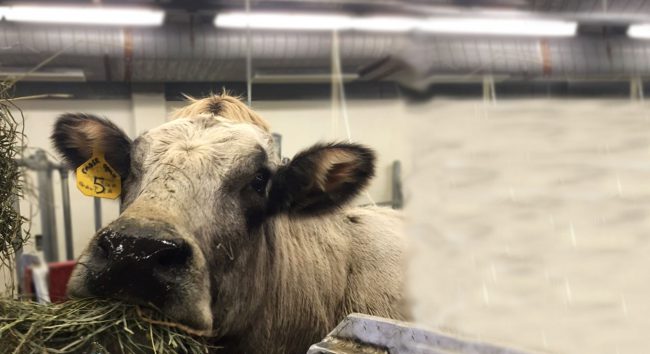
column 365, row 334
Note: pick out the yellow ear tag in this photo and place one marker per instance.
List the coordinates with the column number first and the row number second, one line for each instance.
column 96, row 178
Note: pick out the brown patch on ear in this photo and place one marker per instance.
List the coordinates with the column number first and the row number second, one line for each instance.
column 87, row 137
column 223, row 105
column 336, row 167
column 339, row 174
column 92, row 130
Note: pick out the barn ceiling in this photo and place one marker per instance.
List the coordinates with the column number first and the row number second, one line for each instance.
column 188, row 48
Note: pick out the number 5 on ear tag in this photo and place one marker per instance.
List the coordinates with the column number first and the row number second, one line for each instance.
column 96, row 178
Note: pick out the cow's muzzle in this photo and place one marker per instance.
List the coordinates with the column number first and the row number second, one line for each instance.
column 137, row 267
column 146, row 262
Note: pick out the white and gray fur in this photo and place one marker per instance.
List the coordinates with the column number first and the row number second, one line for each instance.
column 271, row 272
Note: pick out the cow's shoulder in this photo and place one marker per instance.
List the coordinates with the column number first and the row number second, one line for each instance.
column 376, row 234
column 377, row 261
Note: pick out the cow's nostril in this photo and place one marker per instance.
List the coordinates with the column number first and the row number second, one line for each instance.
column 104, row 246
column 177, row 256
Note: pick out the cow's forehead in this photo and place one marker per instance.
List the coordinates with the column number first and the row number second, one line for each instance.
column 208, row 130
column 208, row 136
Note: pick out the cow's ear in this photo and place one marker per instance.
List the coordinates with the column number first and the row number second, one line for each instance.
column 75, row 136
column 321, row 178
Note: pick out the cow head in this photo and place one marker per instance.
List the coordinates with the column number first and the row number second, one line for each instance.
column 199, row 194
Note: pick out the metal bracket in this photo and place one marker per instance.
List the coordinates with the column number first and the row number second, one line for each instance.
column 636, row 89
column 489, row 92
column 360, row 333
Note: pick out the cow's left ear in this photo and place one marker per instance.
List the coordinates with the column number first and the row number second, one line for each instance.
column 321, row 178
column 75, row 135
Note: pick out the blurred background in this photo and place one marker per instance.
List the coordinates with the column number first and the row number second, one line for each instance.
column 514, row 134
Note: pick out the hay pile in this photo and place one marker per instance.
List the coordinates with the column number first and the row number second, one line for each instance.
column 89, row 326
column 11, row 143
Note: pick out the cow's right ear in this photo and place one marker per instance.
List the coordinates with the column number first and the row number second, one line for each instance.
column 75, row 136
column 321, row 178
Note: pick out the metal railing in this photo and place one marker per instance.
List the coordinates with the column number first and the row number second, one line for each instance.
column 44, row 169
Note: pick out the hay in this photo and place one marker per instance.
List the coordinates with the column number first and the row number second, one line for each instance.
column 11, row 145
column 91, row 326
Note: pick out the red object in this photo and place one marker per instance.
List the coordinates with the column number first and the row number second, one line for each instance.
column 28, row 288
column 59, row 274
column 58, row 279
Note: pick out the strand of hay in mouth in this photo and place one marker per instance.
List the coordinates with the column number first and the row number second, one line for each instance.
column 91, row 326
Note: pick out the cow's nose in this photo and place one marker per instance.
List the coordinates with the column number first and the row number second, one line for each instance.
column 139, row 268
column 162, row 254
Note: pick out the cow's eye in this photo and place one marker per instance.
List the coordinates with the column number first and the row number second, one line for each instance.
column 260, row 181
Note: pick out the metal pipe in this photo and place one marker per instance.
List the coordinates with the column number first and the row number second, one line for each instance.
column 98, row 213
column 67, row 215
column 46, row 205
column 249, row 60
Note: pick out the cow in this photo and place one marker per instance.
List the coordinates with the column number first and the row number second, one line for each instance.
column 223, row 237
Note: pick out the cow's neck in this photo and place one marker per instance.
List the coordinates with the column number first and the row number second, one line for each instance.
column 308, row 268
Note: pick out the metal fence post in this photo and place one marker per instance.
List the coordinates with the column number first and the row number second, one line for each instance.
column 98, row 213
column 67, row 215
column 398, row 196
column 46, row 206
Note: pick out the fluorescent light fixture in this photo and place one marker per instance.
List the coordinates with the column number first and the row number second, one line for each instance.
column 292, row 21
column 55, row 74
column 460, row 25
column 639, row 31
column 318, row 22
column 503, row 26
column 384, row 24
column 85, row 15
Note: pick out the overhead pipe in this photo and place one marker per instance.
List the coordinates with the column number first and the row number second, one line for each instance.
column 180, row 53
